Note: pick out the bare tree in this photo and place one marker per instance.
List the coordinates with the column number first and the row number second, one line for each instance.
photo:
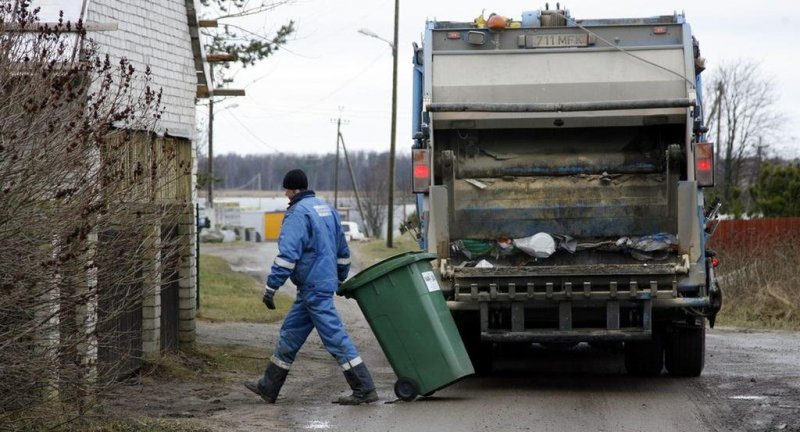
column 82, row 182
column 375, row 188
column 742, row 115
column 250, row 45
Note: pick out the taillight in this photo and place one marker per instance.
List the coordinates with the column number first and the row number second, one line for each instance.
column 421, row 170
column 704, row 164
column 714, row 262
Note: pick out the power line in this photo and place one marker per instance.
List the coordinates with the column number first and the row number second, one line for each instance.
column 336, row 90
column 256, row 179
column 258, row 139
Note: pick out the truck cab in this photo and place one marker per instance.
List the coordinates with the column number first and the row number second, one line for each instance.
column 559, row 169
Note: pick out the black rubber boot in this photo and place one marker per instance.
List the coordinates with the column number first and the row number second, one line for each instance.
column 270, row 384
column 361, row 383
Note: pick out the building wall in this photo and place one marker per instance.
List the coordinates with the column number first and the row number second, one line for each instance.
column 154, row 33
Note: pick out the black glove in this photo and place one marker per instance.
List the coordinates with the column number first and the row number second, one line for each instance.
column 268, row 294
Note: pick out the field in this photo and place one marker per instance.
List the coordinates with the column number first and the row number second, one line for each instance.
column 231, row 296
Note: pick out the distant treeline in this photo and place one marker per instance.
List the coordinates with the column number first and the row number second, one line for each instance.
column 371, row 169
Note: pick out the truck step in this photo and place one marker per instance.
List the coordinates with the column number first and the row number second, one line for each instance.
column 582, row 335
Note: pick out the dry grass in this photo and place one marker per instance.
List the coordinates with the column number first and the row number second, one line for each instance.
column 761, row 286
column 370, row 252
column 226, row 295
column 138, row 425
column 239, row 359
column 207, row 360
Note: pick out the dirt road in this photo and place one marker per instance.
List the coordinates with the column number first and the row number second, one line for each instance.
column 751, row 382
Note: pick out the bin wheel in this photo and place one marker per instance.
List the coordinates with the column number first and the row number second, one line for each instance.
column 406, row 389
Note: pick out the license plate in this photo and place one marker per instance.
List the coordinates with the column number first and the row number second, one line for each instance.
column 556, row 40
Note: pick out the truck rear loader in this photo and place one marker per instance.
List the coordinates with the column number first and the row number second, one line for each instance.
column 559, row 170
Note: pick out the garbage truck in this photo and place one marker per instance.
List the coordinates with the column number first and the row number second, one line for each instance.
column 559, row 169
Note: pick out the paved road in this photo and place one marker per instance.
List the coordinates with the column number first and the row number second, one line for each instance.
column 751, row 382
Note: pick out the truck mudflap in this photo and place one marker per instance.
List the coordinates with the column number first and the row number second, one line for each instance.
column 553, row 304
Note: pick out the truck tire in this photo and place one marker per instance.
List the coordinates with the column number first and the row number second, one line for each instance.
column 482, row 357
column 480, row 353
column 645, row 358
column 686, row 351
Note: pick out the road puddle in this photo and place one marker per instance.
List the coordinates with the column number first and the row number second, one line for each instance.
column 747, row 397
column 318, row 425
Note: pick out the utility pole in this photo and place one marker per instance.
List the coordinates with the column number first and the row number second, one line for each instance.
column 209, row 92
column 759, row 157
column 390, row 210
column 393, row 45
column 336, row 167
column 718, row 107
column 210, row 168
column 355, row 186
column 726, row 188
column 336, row 164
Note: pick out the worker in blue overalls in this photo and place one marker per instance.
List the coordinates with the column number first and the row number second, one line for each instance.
column 312, row 252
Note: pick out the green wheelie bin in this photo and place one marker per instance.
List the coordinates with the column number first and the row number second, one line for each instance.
column 404, row 305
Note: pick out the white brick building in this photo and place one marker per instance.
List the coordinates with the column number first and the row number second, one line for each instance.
column 154, row 33
column 161, row 35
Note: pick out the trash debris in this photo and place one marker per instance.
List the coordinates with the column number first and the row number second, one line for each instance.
column 655, row 242
column 476, row 183
column 472, row 248
column 505, row 243
column 498, row 156
column 539, row 245
column 543, row 245
column 566, row 242
column 649, row 247
column 483, row 264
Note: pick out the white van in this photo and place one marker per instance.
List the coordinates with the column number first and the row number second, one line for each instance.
column 352, row 232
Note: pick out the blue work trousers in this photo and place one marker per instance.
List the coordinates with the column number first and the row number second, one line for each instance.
column 313, row 308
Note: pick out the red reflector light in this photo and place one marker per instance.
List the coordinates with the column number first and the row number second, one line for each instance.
column 704, row 164
column 714, row 262
column 421, row 170
column 659, row 30
column 454, row 35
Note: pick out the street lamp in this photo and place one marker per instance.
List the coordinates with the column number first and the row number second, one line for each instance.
column 370, row 33
column 393, row 45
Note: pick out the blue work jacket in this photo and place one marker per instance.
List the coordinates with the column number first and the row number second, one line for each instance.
column 312, row 249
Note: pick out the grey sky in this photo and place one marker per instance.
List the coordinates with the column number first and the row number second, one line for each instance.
column 293, row 96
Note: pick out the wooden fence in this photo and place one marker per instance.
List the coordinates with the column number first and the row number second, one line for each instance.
column 755, row 234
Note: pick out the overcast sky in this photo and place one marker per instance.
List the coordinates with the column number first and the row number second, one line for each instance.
column 293, row 96
column 328, row 68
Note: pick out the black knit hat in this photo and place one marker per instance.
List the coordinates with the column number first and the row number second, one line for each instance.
column 295, row 179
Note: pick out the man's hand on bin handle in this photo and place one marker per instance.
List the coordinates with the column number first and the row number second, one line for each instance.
column 269, row 293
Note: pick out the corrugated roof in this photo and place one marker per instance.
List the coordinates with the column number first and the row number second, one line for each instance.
column 200, row 66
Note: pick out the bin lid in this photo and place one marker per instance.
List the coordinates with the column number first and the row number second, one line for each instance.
column 384, row 267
